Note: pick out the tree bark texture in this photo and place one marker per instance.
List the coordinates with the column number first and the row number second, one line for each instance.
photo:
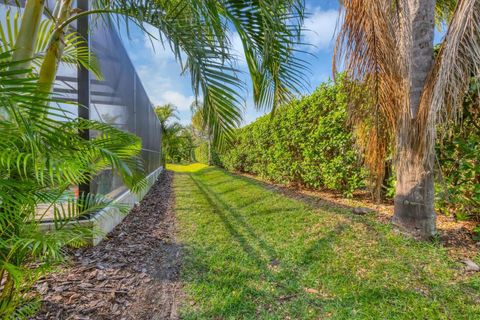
column 414, row 199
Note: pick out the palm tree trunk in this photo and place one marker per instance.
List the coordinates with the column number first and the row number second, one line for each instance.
column 414, row 197
column 27, row 35
column 49, row 68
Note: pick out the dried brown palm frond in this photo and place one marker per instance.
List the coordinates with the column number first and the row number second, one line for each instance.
column 372, row 136
column 456, row 63
column 388, row 45
column 368, row 48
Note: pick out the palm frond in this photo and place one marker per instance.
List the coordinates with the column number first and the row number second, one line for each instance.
column 457, row 62
column 198, row 34
column 76, row 50
column 270, row 32
column 70, row 209
column 50, row 150
column 207, row 61
column 367, row 48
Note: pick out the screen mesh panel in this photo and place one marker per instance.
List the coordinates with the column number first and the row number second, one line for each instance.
column 120, row 99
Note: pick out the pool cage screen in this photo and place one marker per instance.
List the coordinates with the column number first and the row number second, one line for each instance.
column 118, row 99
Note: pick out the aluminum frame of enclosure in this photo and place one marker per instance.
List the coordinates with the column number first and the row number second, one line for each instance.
column 118, row 99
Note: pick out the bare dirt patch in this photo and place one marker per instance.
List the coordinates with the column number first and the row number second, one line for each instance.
column 133, row 274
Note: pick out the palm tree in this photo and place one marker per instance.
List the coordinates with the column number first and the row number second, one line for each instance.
column 76, row 50
column 40, row 160
column 200, row 35
column 201, row 128
column 166, row 113
column 171, row 131
column 388, row 46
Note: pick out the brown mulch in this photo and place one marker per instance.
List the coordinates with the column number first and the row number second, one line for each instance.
column 133, row 274
column 456, row 236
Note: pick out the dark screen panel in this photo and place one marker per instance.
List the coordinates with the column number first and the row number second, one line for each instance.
column 121, row 100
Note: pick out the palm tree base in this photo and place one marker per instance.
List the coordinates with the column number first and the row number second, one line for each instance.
column 414, row 211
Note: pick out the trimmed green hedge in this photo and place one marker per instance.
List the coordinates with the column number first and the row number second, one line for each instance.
column 306, row 142
column 458, row 153
column 309, row 143
column 201, row 153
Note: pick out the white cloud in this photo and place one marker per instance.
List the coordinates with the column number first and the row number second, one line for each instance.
column 320, row 29
column 181, row 101
column 152, row 41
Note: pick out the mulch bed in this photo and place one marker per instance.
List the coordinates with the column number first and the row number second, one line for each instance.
column 133, row 274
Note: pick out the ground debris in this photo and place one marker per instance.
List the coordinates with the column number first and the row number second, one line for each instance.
column 470, row 265
column 133, row 274
column 361, row 211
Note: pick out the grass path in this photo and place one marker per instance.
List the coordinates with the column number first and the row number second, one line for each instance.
column 253, row 254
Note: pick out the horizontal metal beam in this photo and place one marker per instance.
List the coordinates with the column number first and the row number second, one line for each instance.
column 92, row 93
column 74, row 79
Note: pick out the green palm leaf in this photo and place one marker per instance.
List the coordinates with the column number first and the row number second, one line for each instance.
column 199, row 34
column 76, row 50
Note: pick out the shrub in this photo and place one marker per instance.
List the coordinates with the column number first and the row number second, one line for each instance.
column 201, row 153
column 309, row 143
column 306, row 142
column 41, row 157
column 458, row 152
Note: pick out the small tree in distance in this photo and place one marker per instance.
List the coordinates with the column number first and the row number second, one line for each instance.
column 177, row 141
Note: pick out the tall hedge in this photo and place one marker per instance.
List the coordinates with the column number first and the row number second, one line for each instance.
column 458, row 153
column 309, row 143
column 306, row 142
column 201, row 153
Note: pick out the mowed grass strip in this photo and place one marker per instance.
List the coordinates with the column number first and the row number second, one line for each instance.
column 251, row 253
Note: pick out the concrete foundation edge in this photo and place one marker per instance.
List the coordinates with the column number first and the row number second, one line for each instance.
column 106, row 220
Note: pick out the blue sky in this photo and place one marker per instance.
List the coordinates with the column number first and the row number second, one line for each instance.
column 160, row 73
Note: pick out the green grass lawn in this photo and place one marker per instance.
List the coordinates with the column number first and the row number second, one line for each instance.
column 253, row 254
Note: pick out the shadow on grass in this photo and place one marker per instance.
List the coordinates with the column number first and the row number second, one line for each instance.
column 315, row 202
column 284, row 276
column 390, row 277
